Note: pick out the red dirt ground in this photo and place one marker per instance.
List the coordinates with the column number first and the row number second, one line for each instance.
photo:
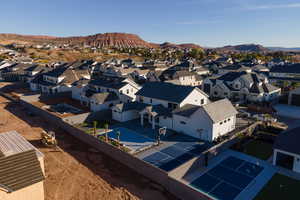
column 75, row 172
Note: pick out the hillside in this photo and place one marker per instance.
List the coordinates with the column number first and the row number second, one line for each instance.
column 243, row 48
column 120, row 40
column 284, row 49
column 98, row 40
column 180, row 46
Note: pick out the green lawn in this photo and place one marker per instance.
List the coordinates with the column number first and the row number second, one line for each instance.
column 280, row 187
column 258, row 149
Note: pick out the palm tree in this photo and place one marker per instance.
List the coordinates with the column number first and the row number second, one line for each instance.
column 106, row 130
column 118, row 137
column 95, row 123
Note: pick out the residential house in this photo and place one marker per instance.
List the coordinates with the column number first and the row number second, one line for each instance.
column 241, row 86
column 207, row 122
column 124, row 88
column 286, row 151
column 178, row 77
column 21, row 169
column 18, row 72
column 287, row 72
column 224, row 60
column 234, row 68
column 294, row 97
column 60, row 79
column 184, row 109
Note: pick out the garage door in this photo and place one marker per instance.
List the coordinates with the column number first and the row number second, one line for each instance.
column 295, row 99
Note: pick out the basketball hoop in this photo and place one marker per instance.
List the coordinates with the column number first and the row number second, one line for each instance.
column 162, row 131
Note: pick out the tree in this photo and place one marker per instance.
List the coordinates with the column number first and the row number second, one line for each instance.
column 106, row 130
column 118, row 137
column 95, row 123
column 197, row 53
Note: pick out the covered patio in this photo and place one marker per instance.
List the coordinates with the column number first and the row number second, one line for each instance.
column 151, row 115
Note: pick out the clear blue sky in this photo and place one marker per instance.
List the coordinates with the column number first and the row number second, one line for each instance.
column 205, row 22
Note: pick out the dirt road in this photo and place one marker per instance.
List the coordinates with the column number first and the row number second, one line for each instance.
column 76, row 172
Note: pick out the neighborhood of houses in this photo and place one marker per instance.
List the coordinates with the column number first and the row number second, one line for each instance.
column 169, row 114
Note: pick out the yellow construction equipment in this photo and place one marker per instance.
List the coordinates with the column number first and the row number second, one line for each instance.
column 48, row 139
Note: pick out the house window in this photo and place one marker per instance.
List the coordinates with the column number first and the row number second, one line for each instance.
column 202, row 101
column 150, row 100
column 228, row 119
column 182, row 122
column 215, row 93
column 127, row 91
column 221, row 123
column 121, row 92
column 141, row 100
column 225, row 93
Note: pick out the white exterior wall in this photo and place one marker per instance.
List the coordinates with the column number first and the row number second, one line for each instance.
column 33, row 192
column 124, row 116
column 199, row 120
column 224, row 128
column 166, row 122
column 64, row 88
column 296, row 165
column 128, row 96
column 194, row 98
column 154, row 101
column 76, row 93
column 97, row 107
column 33, row 87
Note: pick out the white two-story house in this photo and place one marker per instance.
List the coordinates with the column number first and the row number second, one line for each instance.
column 241, row 86
column 59, row 79
column 163, row 104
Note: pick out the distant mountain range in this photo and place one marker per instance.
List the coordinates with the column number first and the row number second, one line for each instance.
column 284, row 49
column 121, row 40
column 243, row 48
column 126, row 40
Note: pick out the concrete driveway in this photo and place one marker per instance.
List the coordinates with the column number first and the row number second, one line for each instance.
column 289, row 111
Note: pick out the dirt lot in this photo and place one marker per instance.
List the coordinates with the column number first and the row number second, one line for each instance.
column 76, row 172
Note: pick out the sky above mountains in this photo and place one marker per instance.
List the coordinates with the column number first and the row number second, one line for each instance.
column 209, row 23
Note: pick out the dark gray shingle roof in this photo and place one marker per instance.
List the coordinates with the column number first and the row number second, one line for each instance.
column 220, row 110
column 104, row 97
column 165, row 91
column 289, row 141
column 186, row 111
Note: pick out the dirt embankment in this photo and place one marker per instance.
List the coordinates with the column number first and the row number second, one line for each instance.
column 76, row 172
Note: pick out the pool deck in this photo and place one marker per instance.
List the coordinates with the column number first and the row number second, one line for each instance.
column 183, row 143
column 254, row 186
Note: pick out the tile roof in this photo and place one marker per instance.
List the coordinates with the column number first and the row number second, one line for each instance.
column 19, row 171
column 12, row 143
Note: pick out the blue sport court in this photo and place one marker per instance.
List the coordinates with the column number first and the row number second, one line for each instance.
column 228, row 179
column 173, row 156
column 132, row 140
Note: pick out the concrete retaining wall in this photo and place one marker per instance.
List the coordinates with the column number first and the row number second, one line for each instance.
column 155, row 174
